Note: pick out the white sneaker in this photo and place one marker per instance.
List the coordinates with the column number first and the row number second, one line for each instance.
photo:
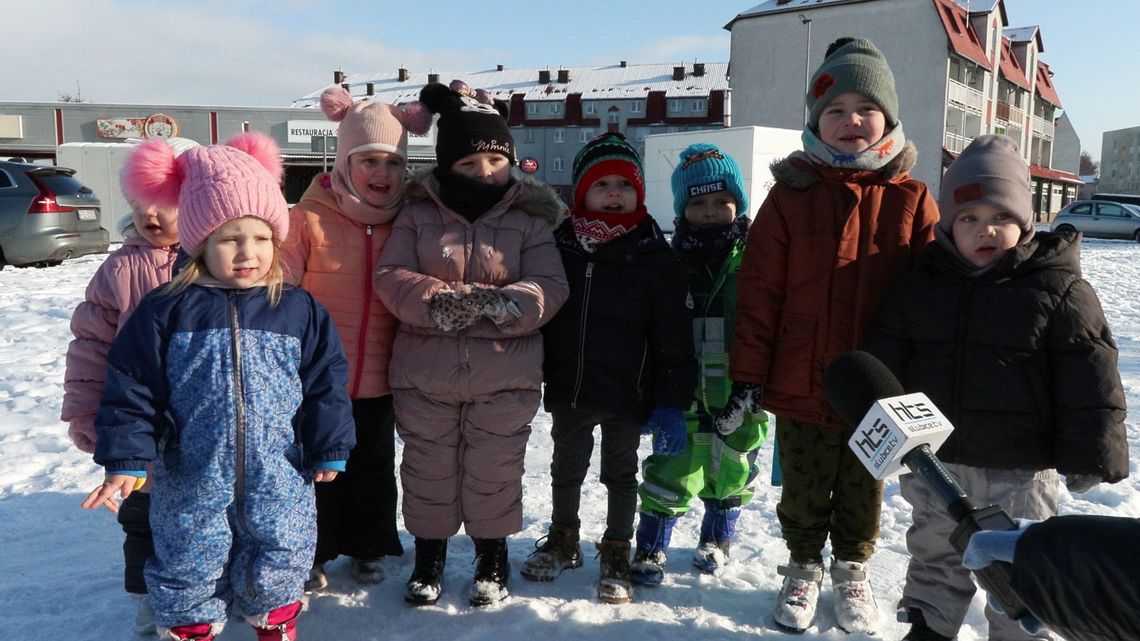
column 855, row 608
column 796, row 603
column 144, row 616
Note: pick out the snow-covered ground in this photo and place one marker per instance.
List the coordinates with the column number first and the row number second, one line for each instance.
column 61, row 567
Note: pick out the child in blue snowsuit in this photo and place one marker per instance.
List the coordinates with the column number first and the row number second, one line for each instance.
column 710, row 228
column 234, row 386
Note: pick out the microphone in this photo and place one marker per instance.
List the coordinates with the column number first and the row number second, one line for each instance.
column 894, row 429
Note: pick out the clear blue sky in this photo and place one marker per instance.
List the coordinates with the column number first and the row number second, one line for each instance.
column 266, row 52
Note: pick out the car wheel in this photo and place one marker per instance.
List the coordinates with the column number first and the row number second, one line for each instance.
column 1064, row 228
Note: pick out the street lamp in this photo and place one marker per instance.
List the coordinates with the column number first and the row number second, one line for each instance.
column 806, row 21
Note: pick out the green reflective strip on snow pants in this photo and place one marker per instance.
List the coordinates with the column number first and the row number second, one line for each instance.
column 709, row 467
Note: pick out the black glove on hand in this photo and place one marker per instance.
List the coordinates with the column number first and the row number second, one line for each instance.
column 745, row 397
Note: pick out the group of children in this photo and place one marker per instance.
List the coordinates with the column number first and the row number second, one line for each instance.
column 459, row 293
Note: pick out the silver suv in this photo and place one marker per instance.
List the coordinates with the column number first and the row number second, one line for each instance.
column 1099, row 219
column 46, row 216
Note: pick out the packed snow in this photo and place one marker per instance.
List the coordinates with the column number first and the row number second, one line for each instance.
column 62, row 566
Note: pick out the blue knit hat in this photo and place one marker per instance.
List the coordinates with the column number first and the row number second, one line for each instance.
column 704, row 169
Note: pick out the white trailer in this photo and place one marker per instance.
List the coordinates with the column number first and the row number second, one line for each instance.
column 97, row 166
column 753, row 148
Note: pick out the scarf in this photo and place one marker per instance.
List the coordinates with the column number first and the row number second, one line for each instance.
column 355, row 207
column 707, row 244
column 872, row 158
column 468, row 197
column 594, row 228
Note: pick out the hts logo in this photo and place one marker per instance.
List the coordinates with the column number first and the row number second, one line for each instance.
column 872, row 437
column 908, row 412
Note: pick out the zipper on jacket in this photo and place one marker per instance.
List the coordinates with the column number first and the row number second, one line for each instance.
column 582, row 334
column 239, row 436
column 366, row 295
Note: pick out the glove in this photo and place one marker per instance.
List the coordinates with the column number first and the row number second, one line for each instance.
column 669, row 430
column 987, row 546
column 450, row 311
column 1081, row 483
column 493, row 303
column 745, row 397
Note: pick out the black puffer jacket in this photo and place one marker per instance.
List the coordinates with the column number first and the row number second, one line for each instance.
column 623, row 342
column 1019, row 358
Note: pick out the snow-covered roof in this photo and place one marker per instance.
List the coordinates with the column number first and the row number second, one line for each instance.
column 593, row 83
column 781, row 6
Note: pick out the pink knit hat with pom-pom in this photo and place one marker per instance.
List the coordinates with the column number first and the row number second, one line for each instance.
column 210, row 185
column 364, row 126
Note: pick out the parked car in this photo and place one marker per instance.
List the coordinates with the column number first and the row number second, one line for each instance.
column 46, row 216
column 1100, row 219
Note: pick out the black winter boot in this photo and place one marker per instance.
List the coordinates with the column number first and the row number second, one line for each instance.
column 492, row 570
column 919, row 631
column 614, row 579
column 425, row 584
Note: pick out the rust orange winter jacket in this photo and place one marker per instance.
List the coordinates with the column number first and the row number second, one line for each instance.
column 823, row 249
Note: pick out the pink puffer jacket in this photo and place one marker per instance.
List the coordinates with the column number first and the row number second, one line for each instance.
column 331, row 252
column 510, row 247
column 127, row 275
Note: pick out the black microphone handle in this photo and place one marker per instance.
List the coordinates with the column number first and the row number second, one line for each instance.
column 995, row 577
column 926, row 466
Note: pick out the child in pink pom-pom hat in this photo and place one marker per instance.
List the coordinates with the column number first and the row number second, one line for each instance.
column 336, row 234
column 231, row 386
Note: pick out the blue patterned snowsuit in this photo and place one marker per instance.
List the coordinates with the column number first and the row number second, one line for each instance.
column 235, row 400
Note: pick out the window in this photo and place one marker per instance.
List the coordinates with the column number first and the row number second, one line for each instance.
column 639, row 133
column 698, row 106
column 637, row 106
column 675, row 106
column 555, row 108
column 556, row 165
column 5, row 180
column 559, row 136
column 532, row 108
column 1113, row 211
column 584, row 135
column 613, row 117
column 1082, row 210
column 591, row 108
column 529, row 134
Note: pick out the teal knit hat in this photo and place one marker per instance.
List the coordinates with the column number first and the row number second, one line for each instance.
column 853, row 64
column 704, row 169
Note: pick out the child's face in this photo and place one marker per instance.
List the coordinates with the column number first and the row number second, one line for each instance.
column 240, row 252
column 613, row 194
column 377, row 176
column 705, row 210
column 983, row 234
column 851, row 123
column 485, row 166
column 157, row 226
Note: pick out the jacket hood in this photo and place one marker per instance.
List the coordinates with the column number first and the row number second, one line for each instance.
column 799, row 173
column 321, row 191
column 529, row 194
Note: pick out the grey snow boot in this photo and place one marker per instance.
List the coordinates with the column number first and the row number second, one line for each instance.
column 614, row 584
column 555, row 552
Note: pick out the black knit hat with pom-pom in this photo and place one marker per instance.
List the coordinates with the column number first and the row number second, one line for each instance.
column 469, row 122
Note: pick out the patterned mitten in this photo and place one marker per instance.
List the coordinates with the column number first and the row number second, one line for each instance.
column 451, row 312
column 493, row 304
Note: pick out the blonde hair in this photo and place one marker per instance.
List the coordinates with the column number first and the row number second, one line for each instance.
column 196, row 267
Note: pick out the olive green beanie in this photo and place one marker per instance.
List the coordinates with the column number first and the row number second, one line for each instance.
column 853, row 64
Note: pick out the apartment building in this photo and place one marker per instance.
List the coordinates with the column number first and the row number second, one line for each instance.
column 554, row 112
column 960, row 71
column 1120, row 162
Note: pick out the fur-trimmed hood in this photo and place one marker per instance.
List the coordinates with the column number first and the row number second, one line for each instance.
column 529, row 194
column 799, row 172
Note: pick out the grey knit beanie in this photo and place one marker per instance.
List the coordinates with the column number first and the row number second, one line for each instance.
column 854, row 65
column 989, row 170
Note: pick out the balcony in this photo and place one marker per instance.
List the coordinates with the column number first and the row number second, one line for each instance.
column 1042, row 128
column 963, row 97
column 955, row 143
column 1008, row 113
